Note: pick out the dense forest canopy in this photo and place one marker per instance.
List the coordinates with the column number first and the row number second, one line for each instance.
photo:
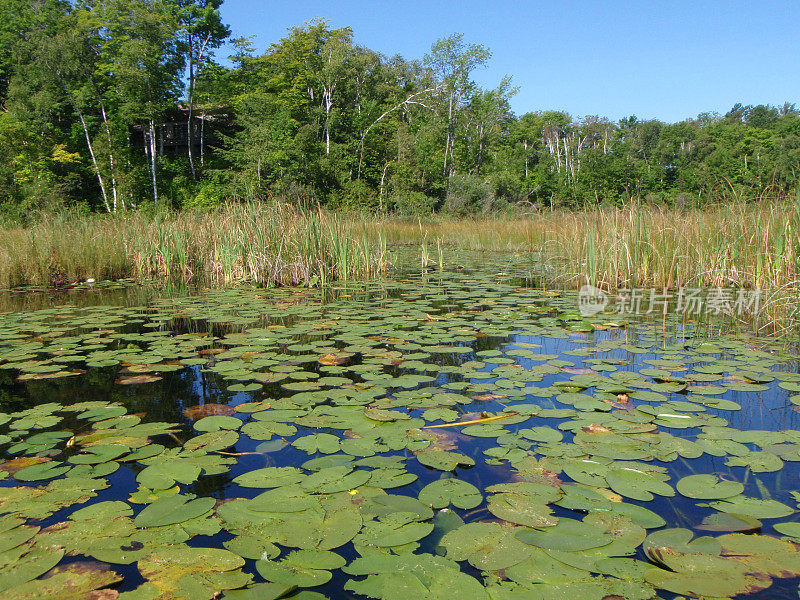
column 115, row 105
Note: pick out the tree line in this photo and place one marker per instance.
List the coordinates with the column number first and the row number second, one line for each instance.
column 115, row 105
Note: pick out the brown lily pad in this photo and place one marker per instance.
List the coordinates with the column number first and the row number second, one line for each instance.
column 335, row 358
column 135, row 368
column 593, row 428
column 15, row 464
column 208, row 410
column 56, row 375
column 489, row 397
column 76, row 581
column 137, row 379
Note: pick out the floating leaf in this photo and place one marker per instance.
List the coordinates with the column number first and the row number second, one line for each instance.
column 758, row 462
column 217, row 422
column 338, row 358
column 213, row 440
column 486, row 546
column 76, row 581
column 27, row 565
column 248, row 546
column 173, row 509
column 729, row 522
column 208, row 410
column 317, row 442
column 708, row 487
column 303, row 568
column 41, row 471
column 167, row 567
column 637, row 484
column 524, row 503
column 443, row 461
column 270, row 477
column 260, row 591
column 444, row 492
column 753, row 507
column 394, row 529
column 567, row 535
column 679, row 540
column 137, row 379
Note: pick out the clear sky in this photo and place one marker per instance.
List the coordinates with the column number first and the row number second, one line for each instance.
column 660, row 59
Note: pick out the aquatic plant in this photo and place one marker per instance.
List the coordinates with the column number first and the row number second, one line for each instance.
column 452, row 436
column 259, row 243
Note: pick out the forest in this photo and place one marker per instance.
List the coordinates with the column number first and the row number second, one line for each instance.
column 115, row 105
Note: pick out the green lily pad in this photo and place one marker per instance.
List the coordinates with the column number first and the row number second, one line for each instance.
column 217, row 422
column 75, row 581
column 394, row 529
column 486, row 546
column 270, row 477
column 41, row 471
column 443, row 461
column 173, row 509
column 729, row 522
column 27, row 565
column 753, row 507
column 302, row 568
column 637, row 484
column 708, row 487
column 173, row 567
column 260, row 591
column 444, row 492
column 318, row 442
column 213, row 440
column 567, row 535
column 679, row 540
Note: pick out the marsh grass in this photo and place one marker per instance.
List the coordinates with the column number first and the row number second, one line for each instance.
column 263, row 244
column 735, row 244
column 743, row 245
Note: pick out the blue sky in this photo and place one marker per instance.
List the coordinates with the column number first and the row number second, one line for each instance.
column 655, row 59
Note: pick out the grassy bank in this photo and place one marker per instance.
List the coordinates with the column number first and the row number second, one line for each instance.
column 735, row 245
column 741, row 245
column 262, row 244
column 732, row 245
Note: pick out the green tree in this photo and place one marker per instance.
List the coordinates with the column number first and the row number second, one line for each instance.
column 453, row 61
column 139, row 57
column 200, row 32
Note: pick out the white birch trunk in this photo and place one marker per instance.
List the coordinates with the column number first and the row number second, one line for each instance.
column 153, row 160
column 94, row 161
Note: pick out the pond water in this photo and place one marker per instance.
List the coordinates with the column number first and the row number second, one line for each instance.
column 453, row 435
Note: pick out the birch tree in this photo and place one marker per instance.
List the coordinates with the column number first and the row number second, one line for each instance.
column 200, row 32
column 453, row 61
column 140, row 57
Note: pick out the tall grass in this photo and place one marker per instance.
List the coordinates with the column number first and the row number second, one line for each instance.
column 739, row 244
column 264, row 244
column 736, row 244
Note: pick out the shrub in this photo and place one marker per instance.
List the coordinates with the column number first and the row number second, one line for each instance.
column 469, row 194
column 355, row 195
column 412, row 203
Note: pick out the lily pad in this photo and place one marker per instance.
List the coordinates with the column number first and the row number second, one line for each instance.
column 444, row 492
column 443, row 461
column 567, row 535
column 173, row 509
column 708, row 487
column 76, row 581
column 486, row 546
